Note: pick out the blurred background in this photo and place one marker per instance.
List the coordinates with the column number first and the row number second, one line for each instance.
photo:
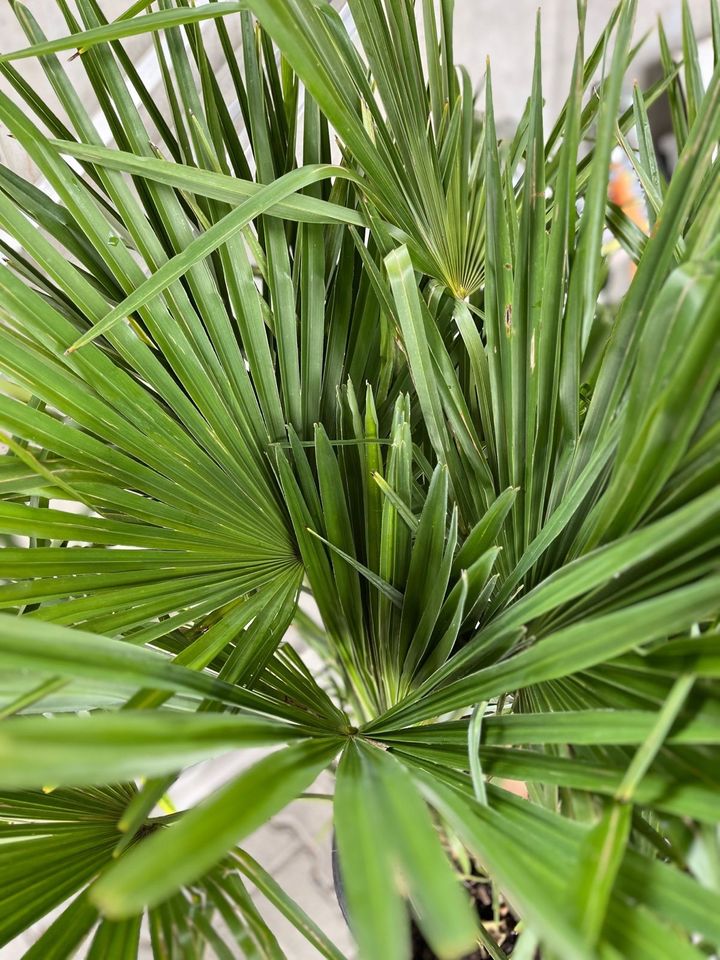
column 501, row 29
column 295, row 846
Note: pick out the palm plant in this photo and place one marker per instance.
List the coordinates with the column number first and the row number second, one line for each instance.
column 510, row 532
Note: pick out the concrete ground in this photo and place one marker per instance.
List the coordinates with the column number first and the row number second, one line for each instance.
column 501, row 29
column 295, row 845
column 504, row 30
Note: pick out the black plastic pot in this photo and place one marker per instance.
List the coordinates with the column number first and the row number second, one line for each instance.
column 337, row 881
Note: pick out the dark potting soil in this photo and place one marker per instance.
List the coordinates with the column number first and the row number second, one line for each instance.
column 503, row 932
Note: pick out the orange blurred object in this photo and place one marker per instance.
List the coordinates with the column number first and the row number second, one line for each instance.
column 623, row 191
column 518, row 787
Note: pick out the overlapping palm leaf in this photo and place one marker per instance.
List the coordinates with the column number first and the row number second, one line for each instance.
column 510, row 532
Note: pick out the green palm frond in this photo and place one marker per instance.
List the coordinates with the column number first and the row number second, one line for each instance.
column 65, row 836
column 238, row 363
